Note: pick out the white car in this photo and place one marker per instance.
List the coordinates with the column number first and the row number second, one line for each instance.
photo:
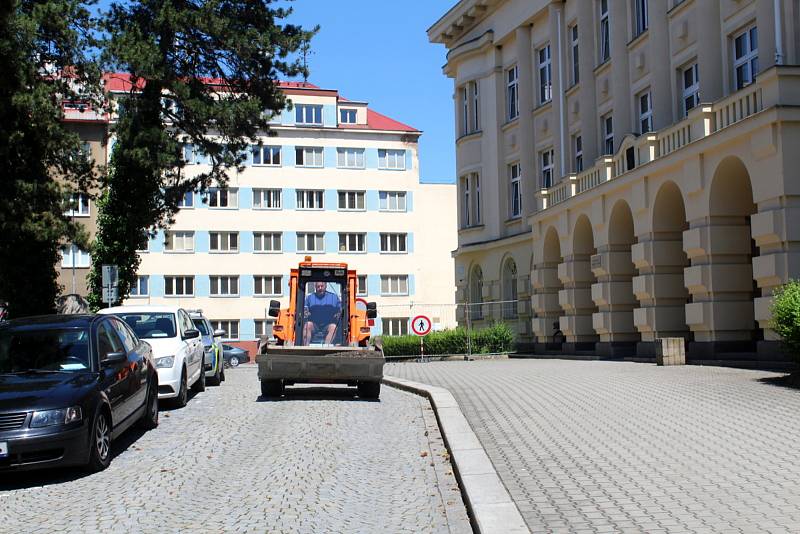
column 177, row 347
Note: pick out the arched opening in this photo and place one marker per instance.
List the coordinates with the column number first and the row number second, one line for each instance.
column 475, row 294
column 576, row 297
column 509, row 281
column 546, row 288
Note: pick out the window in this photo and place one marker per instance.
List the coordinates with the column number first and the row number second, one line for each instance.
column 352, row 242
column 350, row 158
column 645, row 112
column 745, row 57
column 310, row 242
column 608, row 134
column 395, row 326
column 267, row 199
column 309, row 199
column 223, row 198
column 514, row 173
column 510, row 297
column 74, row 256
column 78, row 206
column 394, row 284
column 640, row 9
column 192, row 155
column 392, row 200
column 179, row 286
column 392, row 159
column 470, row 113
column 308, row 156
column 546, row 159
column 465, row 111
column 224, row 241
column 351, row 200
column 268, row 286
column 394, row 243
column 267, row 155
column 577, row 148
column 476, row 122
column 545, row 77
column 264, row 327
column 224, row 286
column 308, row 114
column 230, row 326
column 512, row 94
column 361, row 285
column 605, row 35
column 347, row 116
column 691, row 88
column 187, row 201
column 141, row 286
column 573, row 33
column 179, row 241
column 471, row 188
column 267, row 242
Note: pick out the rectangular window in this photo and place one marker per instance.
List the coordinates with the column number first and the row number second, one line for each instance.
column 310, row 199
column 391, row 159
column 224, row 286
column 394, row 243
column 141, row 286
column 471, row 206
column 230, row 326
column 608, row 134
column 394, row 284
column 361, row 285
column 192, row 155
column 465, row 111
column 573, row 32
column 309, row 156
column 352, row 242
column 179, row 241
column 308, row 114
column 264, row 327
column 512, row 93
column 267, row 199
column 467, row 204
column 179, row 286
column 347, row 116
column 266, row 155
column 78, row 206
column 187, row 201
column 74, row 256
column 577, row 148
column 268, row 285
column 267, row 241
column 640, row 8
column 392, row 200
column 351, row 200
column 310, row 242
column 223, row 198
column 515, row 175
column 545, row 75
column 546, row 160
column 745, row 57
column 395, row 326
column 350, row 158
column 223, row 241
column 645, row 112
column 691, row 88
column 605, row 33
column 476, row 122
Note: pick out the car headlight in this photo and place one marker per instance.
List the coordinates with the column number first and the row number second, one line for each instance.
column 63, row 416
column 165, row 362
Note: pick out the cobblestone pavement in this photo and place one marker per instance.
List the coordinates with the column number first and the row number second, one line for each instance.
column 320, row 462
column 629, row 447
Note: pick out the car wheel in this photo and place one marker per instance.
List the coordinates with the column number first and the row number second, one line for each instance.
column 222, row 375
column 183, row 392
column 216, row 379
column 369, row 390
column 100, row 442
column 200, row 384
column 149, row 419
column 234, row 361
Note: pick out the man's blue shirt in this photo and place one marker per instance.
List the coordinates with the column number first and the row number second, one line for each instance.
column 324, row 308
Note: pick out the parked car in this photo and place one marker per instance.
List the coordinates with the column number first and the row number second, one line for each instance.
column 177, row 347
column 234, row 355
column 212, row 345
column 69, row 385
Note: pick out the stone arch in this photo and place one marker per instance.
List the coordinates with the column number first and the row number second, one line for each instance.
column 508, row 281
column 546, row 287
column 576, row 297
column 475, row 286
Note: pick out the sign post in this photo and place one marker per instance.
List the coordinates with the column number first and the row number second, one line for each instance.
column 110, row 284
column 421, row 326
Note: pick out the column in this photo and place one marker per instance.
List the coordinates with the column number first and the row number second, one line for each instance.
column 525, row 121
column 544, row 301
column 576, row 301
column 557, row 31
column 588, row 96
column 659, row 46
column 620, row 78
column 613, row 295
column 709, row 51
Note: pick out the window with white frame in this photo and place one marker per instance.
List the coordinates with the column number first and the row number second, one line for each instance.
column 267, row 241
column 350, row 158
column 268, row 285
column 267, row 199
column 394, row 243
column 264, row 327
column 223, row 198
column 605, row 33
column 640, row 17
column 310, row 242
column 352, row 242
column 309, row 156
column 140, row 286
column 395, row 326
column 394, row 284
column 465, row 111
column 515, row 176
column 351, row 200
column 545, row 75
column 179, row 241
column 179, row 286
column 74, row 256
column 187, row 201
column 476, row 116
column 310, row 199
column 512, row 93
column 308, row 114
column 224, row 286
column 192, row 155
column 645, row 112
column 608, row 134
column 266, row 155
column 745, row 57
column 391, row 159
column 546, row 162
column 471, row 200
column 392, row 200
column 229, row 326
column 78, row 205
column 223, row 241
column 347, row 116
column 577, row 151
column 575, row 56
column 690, row 79
column 361, row 285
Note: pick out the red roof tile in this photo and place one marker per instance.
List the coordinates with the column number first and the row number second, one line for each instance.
column 376, row 121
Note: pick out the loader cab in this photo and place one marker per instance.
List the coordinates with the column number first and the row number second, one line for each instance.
column 322, row 303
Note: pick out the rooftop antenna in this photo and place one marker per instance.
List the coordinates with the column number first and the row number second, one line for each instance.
column 305, row 49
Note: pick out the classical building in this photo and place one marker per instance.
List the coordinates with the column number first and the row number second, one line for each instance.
column 630, row 168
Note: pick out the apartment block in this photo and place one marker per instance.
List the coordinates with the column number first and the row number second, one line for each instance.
column 627, row 169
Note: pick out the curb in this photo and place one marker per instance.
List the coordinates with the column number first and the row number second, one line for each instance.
column 488, row 502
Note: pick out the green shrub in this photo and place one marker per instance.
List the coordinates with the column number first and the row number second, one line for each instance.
column 786, row 316
column 496, row 338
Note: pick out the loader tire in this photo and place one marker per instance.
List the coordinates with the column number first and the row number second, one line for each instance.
column 271, row 388
column 369, row 390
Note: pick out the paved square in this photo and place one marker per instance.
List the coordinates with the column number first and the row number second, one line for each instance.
column 629, row 447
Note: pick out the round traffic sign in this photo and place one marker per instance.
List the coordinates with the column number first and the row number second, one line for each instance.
column 421, row 325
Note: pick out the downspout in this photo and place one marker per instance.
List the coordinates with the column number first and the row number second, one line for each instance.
column 561, row 97
column 778, row 36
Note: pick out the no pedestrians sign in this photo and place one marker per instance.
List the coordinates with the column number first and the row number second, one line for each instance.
column 421, row 325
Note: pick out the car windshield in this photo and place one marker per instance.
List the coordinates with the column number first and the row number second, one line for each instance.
column 149, row 325
column 46, row 349
column 200, row 324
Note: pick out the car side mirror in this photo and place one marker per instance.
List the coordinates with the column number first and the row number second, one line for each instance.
column 274, row 308
column 191, row 334
column 220, row 333
column 113, row 358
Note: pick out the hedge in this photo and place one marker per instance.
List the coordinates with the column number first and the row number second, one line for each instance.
column 496, row 338
column 786, row 316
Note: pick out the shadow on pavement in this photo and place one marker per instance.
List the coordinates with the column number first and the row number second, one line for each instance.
column 317, row 393
column 790, row 381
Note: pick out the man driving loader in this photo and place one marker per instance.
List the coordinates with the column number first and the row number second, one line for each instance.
column 322, row 310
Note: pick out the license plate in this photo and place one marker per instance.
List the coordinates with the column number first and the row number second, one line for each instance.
column 3, row 449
